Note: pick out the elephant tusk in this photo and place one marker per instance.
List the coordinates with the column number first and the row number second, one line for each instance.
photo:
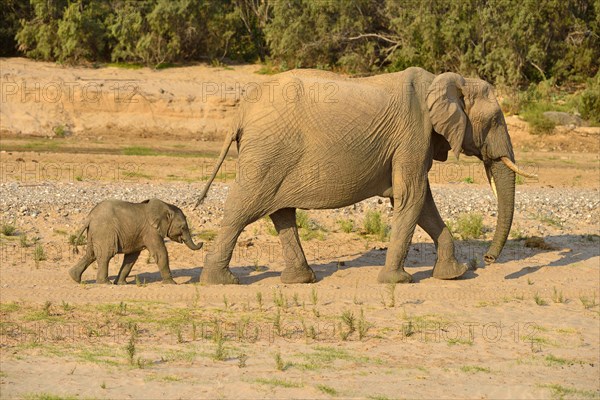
column 516, row 169
column 493, row 185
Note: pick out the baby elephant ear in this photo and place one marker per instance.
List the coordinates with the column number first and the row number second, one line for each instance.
column 159, row 216
column 446, row 109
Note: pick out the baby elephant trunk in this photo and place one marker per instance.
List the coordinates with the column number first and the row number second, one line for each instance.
column 187, row 239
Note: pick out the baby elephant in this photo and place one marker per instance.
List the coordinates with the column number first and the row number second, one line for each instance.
column 116, row 226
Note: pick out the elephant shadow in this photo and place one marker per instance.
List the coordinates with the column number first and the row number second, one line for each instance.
column 571, row 248
column 192, row 273
column 580, row 248
column 243, row 273
column 419, row 255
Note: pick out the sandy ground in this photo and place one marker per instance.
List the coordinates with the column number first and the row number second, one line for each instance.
column 525, row 327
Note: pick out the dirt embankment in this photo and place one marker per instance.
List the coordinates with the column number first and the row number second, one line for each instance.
column 48, row 99
column 198, row 102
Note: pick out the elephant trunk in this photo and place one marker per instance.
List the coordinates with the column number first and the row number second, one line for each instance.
column 504, row 180
column 187, row 239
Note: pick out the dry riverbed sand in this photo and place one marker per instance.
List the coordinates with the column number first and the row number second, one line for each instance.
column 525, row 327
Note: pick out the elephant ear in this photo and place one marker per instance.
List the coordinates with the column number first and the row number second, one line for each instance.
column 159, row 216
column 446, row 109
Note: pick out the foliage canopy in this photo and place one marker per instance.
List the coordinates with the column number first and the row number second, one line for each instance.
column 498, row 40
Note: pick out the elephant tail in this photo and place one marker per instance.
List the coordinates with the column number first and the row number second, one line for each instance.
column 85, row 228
column 224, row 150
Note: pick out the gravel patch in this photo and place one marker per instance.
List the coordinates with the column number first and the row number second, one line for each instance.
column 569, row 206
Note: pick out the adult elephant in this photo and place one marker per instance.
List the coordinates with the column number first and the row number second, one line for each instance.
column 316, row 140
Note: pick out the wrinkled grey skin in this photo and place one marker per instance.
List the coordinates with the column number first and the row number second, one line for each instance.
column 116, row 226
column 316, row 140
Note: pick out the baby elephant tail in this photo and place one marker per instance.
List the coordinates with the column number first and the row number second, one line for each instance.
column 85, row 228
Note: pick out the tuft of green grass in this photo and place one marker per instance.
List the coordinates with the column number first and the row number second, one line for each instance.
column 314, row 296
column 553, row 360
column 259, row 300
column 8, row 228
column 59, row 131
column 557, row 296
column 347, row 225
column 363, row 325
column 327, row 390
column 561, row 392
column 23, row 241
column 48, row 396
column 279, row 363
column 130, row 349
column 38, row 253
column 308, row 229
column 374, row 225
column 539, row 300
column 588, row 303
column 207, row 235
column 349, row 320
column 139, row 151
column 468, row 226
column 474, row 369
column 550, row 220
column 219, row 339
column 279, row 382
column 280, row 299
column 468, row 179
column 453, row 342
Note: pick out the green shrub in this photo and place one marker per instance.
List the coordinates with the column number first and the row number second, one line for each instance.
column 374, row 225
column 8, row 229
column 347, row 225
column 589, row 101
column 469, row 226
column 540, row 125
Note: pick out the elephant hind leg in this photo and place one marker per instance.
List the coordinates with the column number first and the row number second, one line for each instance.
column 102, row 274
column 78, row 269
column 446, row 265
column 297, row 269
column 128, row 261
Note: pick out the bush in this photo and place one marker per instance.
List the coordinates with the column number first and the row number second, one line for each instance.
column 468, row 226
column 540, row 125
column 589, row 102
column 374, row 225
column 347, row 225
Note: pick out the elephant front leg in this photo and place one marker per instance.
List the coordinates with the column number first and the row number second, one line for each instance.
column 446, row 265
column 156, row 247
column 128, row 261
column 297, row 269
column 409, row 196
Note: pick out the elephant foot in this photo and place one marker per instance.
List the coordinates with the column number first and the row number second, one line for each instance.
column 394, row 276
column 298, row 275
column 121, row 282
column 449, row 269
column 218, row 277
column 169, row 281
column 103, row 282
column 75, row 275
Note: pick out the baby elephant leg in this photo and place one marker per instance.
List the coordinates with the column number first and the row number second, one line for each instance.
column 77, row 270
column 102, row 274
column 128, row 261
